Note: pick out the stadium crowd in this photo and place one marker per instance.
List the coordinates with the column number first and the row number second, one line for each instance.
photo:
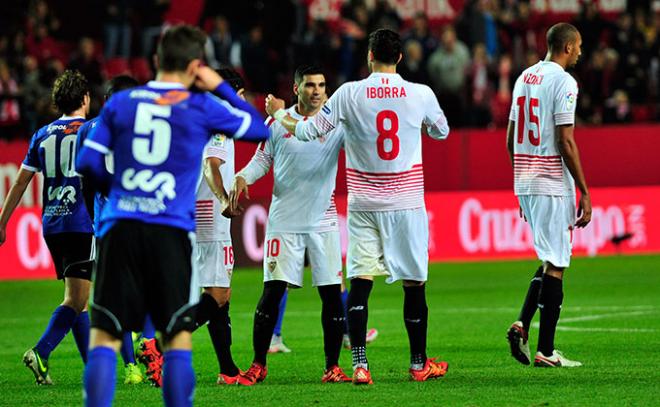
column 470, row 64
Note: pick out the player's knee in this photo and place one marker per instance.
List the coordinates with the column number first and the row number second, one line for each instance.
column 413, row 283
column 221, row 295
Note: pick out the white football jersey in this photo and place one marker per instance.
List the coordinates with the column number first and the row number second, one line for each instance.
column 304, row 179
column 211, row 226
column 381, row 117
column 544, row 96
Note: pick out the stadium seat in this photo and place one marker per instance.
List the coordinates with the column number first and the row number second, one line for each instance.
column 141, row 69
column 116, row 66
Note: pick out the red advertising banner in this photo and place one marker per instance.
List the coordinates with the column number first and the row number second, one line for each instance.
column 485, row 225
column 463, row 226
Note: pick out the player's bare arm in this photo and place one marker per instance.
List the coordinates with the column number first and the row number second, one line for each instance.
column 275, row 107
column 239, row 186
column 213, row 179
column 569, row 152
column 21, row 183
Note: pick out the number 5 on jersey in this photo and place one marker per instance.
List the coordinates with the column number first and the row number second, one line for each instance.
column 533, row 119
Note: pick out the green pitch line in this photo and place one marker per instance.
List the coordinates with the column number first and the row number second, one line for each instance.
column 610, row 322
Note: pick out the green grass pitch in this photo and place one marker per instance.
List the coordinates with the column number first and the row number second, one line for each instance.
column 610, row 322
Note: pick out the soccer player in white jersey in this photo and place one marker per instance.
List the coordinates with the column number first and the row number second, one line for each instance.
column 302, row 217
column 546, row 167
column 213, row 253
column 382, row 117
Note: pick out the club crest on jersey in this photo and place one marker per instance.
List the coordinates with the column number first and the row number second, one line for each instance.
column 271, row 266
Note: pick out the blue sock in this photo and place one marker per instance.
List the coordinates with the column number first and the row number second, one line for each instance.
column 100, row 377
column 344, row 301
column 149, row 330
column 280, row 317
column 178, row 378
column 60, row 323
column 80, row 331
column 127, row 352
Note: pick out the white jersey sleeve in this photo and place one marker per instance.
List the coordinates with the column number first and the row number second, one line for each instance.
column 566, row 92
column 434, row 119
column 210, row 224
column 262, row 159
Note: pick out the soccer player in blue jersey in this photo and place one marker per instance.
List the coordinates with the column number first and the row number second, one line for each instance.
column 67, row 227
column 95, row 203
column 156, row 134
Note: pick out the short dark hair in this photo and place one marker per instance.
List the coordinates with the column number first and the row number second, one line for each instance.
column 559, row 35
column 232, row 77
column 303, row 70
column 179, row 46
column 69, row 91
column 386, row 46
column 118, row 83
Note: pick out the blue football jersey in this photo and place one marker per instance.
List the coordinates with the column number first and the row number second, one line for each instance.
column 53, row 151
column 156, row 134
column 99, row 199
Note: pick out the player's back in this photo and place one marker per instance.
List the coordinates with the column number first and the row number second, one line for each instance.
column 544, row 97
column 158, row 135
column 383, row 120
column 53, row 150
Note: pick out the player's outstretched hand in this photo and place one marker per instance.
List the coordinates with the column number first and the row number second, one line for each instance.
column 228, row 212
column 273, row 104
column 207, row 79
column 584, row 211
column 239, row 187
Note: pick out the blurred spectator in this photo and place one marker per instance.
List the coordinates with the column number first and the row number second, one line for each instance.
column 255, row 62
column 412, row 67
column 10, row 114
column 41, row 46
column 384, row 15
column 353, row 27
column 501, row 103
column 39, row 14
column 591, row 26
column 618, row 108
column 219, row 43
column 446, row 68
column 421, row 33
column 318, row 46
column 480, row 90
column 152, row 16
column 35, row 95
column 116, row 28
column 477, row 26
column 86, row 61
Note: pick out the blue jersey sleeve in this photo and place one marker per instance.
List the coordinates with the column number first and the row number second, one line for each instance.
column 91, row 159
column 31, row 161
column 230, row 115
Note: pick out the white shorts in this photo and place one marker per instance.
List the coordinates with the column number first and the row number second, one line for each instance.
column 551, row 219
column 214, row 262
column 391, row 243
column 284, row 257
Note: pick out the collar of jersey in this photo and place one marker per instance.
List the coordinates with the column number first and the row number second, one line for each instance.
column 552, row 64
column 292, row 112
column 165, row 85
column 379, row 74
column 65, row 117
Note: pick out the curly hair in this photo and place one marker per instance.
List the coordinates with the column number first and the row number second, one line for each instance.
column 69, row 91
